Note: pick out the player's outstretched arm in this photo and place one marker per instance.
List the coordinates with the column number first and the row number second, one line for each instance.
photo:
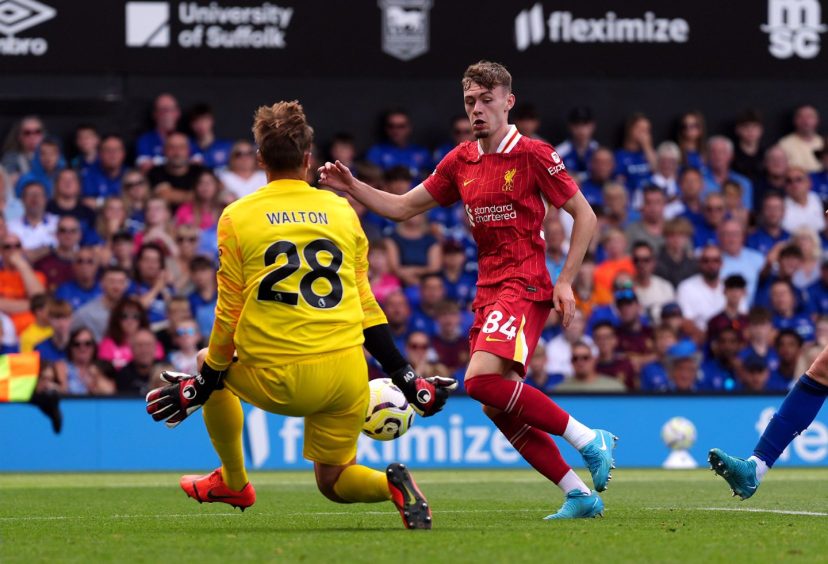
column 426, row 395
column 393, row 206
column 582, row 230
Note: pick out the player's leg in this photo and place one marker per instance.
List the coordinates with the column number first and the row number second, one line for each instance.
column 331, row 436
column 224, row 419
column 501, row 344
column 797, row 412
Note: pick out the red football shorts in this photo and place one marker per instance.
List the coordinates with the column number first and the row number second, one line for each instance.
column 509, row 328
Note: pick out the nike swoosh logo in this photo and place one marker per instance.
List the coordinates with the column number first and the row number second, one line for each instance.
column 490, row 340
column 469, row 181
column 211, row 495
column 603, row 442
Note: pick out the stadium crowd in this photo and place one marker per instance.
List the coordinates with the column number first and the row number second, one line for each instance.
column 707, row 272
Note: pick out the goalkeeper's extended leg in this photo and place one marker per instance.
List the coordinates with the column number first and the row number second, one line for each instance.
column 356, row 483
column 224, row 419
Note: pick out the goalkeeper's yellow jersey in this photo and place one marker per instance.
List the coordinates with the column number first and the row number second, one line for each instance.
column 293, row 277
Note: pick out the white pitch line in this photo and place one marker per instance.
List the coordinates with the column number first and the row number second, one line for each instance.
column 743, row 510
column 295, row 514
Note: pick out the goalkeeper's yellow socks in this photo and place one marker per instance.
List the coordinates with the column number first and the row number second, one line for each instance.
column 224, row 418
column 362, row 484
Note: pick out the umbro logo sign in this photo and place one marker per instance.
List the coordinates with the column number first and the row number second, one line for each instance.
column 20, row 15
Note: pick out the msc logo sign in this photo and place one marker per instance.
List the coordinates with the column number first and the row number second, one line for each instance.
column 20, row 15
column 793, row 28
column 147, row 24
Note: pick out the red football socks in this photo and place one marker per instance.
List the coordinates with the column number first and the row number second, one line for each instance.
column 528, row 404
column 534, row 445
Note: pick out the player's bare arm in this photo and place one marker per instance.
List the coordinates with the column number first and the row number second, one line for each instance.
column 582, row 230
column 395, row 207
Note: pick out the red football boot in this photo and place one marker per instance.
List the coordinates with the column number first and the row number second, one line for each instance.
column 410, row 501
column 211, row 488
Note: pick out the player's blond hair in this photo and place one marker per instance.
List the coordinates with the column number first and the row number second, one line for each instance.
column 488, row 75
column 282, row 134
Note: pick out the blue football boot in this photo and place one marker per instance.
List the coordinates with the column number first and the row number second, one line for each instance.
column 598, row 458
column 740, row 474
column 579, row 505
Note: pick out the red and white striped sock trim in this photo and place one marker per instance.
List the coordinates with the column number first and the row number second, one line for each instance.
column 515, row 396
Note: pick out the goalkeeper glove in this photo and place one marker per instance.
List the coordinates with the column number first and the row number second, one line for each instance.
column 184, row 395
column 426, row 395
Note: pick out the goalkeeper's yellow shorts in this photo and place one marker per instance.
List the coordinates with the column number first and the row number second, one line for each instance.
column 329, row 391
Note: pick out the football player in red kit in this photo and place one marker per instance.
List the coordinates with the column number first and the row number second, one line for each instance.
column 506, row 182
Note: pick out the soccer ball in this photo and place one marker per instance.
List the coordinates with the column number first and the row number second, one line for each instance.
column 389, row 414
column 679, row 433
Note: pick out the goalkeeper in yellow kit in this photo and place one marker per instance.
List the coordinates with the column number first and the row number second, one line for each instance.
column 295, row 306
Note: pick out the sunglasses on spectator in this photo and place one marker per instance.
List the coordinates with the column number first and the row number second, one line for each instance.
column 243, row 153
column 79, row 344
column 134, row 183
column 181, row 331
column 130, row 316
column 68, row 229
column 29, row 132
column 10, row 246
column 186, row 239
column 418, row 346
column 580, row 358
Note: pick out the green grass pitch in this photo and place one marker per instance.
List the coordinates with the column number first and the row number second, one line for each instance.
column 479, row 516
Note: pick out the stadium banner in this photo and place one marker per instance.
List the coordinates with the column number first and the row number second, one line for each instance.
column 416, row 38
column 116, row 434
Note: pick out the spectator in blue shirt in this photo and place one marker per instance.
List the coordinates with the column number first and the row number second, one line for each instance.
column 738, row 259
column 769, row 232
column 601, row 169
column 55, row 347
column 461, row 130
column 759, row 335
column 713, row 214
column 636, row 159
column 23, row 140
column 755, row 376
column 819, row 179
column 412, row 250
column 789, row 347
column 785, row 316
column 717, row 171
column 782, row 263
column 555, row 241
column 689, row 203
column 150, row 284
column 47, row 163
column 103, row 179
column 818, row 292
column 83, row 287
column 654, row 374
column 66, row 200
column 397, row 149
column 213, row 153
column 430, row 293
column 719, row 369
column 398, row 311
column 87, row 140
column 150, row 146
column 204, row 295
column 460, row 284
column 691, row 138
column 579, row 147
column 683, row 368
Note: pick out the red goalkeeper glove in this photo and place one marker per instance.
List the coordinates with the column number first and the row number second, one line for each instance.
column 184, row 396
column 426, row 395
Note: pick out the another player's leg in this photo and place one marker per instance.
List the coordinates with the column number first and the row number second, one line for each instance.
column 798, row 410
column 224, row 419
column 485, row 382
column 542, row 453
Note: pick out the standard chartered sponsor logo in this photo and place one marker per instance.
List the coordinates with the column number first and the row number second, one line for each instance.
column 214, row 26
column 532, row 26
column 485, row 214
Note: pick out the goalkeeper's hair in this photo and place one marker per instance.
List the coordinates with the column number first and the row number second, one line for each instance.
column 283, row 135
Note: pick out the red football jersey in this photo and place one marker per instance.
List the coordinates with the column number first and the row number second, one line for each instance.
column 505, row 195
